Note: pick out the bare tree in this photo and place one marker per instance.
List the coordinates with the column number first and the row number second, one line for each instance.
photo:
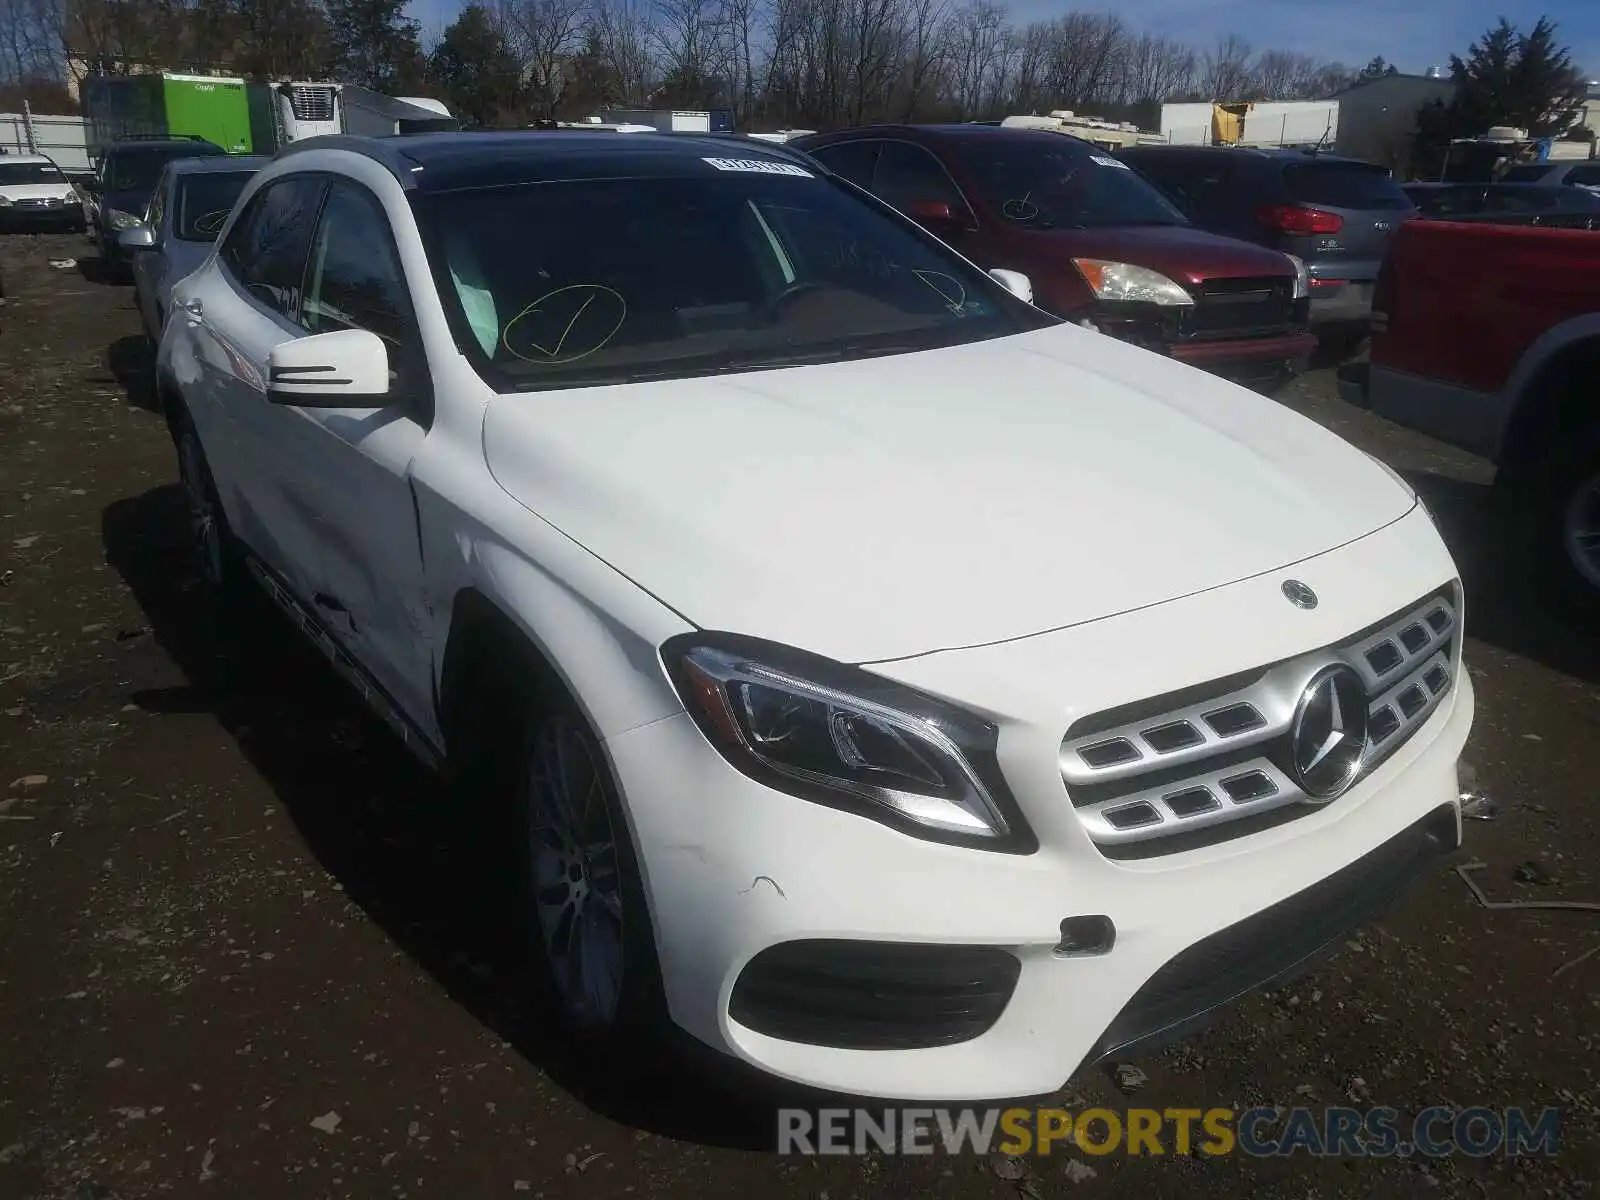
column 626, row 35
column 922, row 50
column 543, row 35
column 1282, row 75
column 1085, row 62
column 1158, row 68
column 1225, row 75
column 689, row 39
column 871, row 28
column 976, row 39
column 739, row 22
column 30, row 40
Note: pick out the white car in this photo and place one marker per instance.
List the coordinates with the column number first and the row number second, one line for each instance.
column 35, row 195
column 905, row 692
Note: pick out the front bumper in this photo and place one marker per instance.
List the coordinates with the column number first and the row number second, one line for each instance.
column 1252, row 360
column 1342, row 304
column 733, row 870
column 17, row 219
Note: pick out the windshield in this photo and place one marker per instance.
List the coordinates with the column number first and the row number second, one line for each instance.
column 730, row 268
column 32, row 172
column 204, row 202
column 1067, row 186
column 1344, row 185
column 130, row 170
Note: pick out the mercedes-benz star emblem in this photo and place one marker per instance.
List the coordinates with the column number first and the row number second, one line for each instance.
column 1382, row 226
column 1299, row 594
column 1329, row 734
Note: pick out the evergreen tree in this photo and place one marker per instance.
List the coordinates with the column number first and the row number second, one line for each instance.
column 375, row 45
column 476, row 69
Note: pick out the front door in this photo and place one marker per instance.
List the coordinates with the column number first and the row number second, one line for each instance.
column 346, row 473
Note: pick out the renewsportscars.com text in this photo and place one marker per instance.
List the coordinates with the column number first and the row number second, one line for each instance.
column 1332, row 1132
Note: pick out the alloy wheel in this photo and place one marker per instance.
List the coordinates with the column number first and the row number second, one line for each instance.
column 203, row 526
column 1581, row 529
column 577, row 886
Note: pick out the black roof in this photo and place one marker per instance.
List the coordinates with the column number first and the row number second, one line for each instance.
column 1264, row 153
column 437, row 162
column 965, row 131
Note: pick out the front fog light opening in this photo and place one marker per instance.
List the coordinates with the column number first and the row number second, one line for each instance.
column 848, row 739
column 1086, row 937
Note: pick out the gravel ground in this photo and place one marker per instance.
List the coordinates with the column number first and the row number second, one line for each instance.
column 240, row 953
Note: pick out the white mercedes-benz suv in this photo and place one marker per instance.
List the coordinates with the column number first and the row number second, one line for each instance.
column 902, row 691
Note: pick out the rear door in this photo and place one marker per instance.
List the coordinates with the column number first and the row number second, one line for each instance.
column 237, row 312
column 1369, row 206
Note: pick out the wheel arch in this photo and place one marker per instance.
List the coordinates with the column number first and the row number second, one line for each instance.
column 609, row 667
column 1547, row 403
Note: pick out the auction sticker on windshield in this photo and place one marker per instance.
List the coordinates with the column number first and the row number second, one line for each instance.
column 759, row 166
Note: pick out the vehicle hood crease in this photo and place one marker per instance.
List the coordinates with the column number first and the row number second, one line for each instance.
column 887, row 507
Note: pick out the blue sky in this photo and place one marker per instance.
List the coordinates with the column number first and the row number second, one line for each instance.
column 1412, row 34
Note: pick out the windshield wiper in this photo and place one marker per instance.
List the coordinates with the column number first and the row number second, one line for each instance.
column 836, row 351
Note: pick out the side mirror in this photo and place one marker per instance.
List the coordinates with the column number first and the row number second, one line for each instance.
column 137, row 237
column 348, row 368
column 1015, row 282
column 940, row 217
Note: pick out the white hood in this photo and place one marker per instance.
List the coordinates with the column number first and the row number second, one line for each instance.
column 892, row 506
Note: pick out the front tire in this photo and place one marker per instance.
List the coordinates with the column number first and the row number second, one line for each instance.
column 580, row 898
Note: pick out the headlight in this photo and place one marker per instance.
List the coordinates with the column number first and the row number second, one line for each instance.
column 1302, row 277
column 5, row 201
column 1124, row 281
column 121, row 220
column 839, row 736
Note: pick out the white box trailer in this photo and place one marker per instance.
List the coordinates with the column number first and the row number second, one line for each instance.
column 1291, row 123
column 1186, row 124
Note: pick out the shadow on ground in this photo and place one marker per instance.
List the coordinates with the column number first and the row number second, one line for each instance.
column 378, row 822
column 131, row 361
column 95, row 269
column 1506, row 604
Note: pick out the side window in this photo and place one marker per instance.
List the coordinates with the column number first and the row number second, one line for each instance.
column 1584, row 176
column 266, row 248
column 355, row 280
column 852, row 160
column 158, row 201
column 906, row 174
column 1188, row 184
column 1519, row 200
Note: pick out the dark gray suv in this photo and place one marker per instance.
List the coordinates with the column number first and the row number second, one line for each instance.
column 1337, row 214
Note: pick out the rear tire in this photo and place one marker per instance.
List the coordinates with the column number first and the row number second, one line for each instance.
column 217, row 559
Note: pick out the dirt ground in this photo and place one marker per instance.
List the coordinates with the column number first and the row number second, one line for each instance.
column 240, row 953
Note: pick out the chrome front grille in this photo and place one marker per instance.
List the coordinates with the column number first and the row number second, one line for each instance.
column 1215, row 762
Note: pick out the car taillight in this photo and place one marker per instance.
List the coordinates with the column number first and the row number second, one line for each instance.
column 1293, row 218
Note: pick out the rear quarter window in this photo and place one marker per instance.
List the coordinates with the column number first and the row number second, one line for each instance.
column 1344, row 185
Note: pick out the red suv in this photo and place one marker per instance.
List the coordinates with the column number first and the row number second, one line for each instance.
column 1101, row 246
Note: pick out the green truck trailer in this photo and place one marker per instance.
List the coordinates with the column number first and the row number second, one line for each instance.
column 121, row 106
